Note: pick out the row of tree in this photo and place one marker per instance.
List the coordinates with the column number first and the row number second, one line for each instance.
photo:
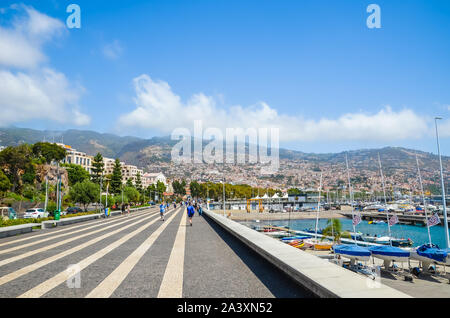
column 18, row 164
column 215, row 191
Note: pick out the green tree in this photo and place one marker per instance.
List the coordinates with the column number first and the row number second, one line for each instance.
column 76, row 173
column 48, row 152
column 132, row 194
column 334, row 229
column 29, row 174
column 116, row 179
column 98, row 167
column 84, row 192
column 129, row 183
column 195, row 189
column 5, row 184
column 138, row 183
column 151, row 190
column 14, row 161
column 160, row 187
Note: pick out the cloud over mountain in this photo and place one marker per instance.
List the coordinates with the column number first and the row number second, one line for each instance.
column 158, row 107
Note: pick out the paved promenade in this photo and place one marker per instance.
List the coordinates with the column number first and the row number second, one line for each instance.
column 137, row 256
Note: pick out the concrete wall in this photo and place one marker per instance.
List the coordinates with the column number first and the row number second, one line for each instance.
column 317, row 275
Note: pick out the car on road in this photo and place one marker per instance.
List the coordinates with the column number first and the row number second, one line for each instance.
column 35, row 214
column 7, row 213
column 73, row 210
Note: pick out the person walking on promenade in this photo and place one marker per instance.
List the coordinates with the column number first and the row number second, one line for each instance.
column 123, row 209
column 162, row 210
column 190, row 213
column 128, row 209
column 200, row 211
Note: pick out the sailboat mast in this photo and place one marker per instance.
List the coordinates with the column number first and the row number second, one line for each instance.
column 351, row 196
column 318, row 205
column 423, row 199
column 385, row 202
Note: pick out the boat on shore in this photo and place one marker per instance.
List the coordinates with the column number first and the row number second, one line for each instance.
column 429, row 254
column 318, row 244
column 352, row 252
column 390, row 254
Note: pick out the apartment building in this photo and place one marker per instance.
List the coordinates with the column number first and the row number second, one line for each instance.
column 77, row 157
column 128, row 171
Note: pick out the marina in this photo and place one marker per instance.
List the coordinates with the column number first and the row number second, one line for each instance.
column 405, row 273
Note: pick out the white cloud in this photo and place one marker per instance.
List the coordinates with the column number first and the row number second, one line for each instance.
column 157, row 107
column 29, row 89
column 41, row 95
column 113, row 50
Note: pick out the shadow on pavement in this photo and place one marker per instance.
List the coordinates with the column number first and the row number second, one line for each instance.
column 280, row 284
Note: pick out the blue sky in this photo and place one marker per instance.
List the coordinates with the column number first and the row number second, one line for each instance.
column 314, row 63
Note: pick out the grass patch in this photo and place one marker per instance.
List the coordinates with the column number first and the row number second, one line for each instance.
column 4, row 223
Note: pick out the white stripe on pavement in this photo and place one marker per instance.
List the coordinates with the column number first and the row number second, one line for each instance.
column 25, row 270
column 172, row 283
column 61, row 235
column 63, row 276
column 107, row 287
column 48, row 247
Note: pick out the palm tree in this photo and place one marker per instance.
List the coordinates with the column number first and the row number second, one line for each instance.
column 333, row 229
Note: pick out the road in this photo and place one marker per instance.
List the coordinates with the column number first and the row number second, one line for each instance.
column 137, row 256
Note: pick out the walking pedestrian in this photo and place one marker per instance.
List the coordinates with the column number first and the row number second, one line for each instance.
column 123, row 209
column 128, row 208
column 190, row 213
column 162, row 210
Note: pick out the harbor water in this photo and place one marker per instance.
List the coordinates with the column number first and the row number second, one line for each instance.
column 418, row 234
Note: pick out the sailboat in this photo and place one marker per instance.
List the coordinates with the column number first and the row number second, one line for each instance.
column 352, row 252
column 315, row 243
column 389, row 253
column 428, row 253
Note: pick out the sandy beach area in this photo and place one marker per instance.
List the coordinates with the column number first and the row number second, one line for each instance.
column 240, row 215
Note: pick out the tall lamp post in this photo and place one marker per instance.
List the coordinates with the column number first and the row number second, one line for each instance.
column 223, row 182
column 444, row 202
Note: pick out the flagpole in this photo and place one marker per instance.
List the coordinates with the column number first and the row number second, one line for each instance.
column 385, row 202
column 318, row 205
column 423, row 199
column 351, row 199
column 444, row 202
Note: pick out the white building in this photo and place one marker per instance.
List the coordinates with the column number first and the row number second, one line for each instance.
column 153, row 178
column 77, row 157
column 128, row 171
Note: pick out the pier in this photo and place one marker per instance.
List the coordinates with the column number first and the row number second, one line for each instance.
column 403, row 218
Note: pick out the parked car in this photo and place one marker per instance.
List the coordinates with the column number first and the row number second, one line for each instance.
column 73, row 210
column 8, row 213
column 35, row 214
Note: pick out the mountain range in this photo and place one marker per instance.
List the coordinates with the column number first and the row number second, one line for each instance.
column 146, row 153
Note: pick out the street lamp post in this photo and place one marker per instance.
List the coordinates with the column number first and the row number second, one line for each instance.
column 101, row 186
column 444, row 202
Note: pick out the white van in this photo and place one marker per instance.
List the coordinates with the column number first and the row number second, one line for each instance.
column 7, row 213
